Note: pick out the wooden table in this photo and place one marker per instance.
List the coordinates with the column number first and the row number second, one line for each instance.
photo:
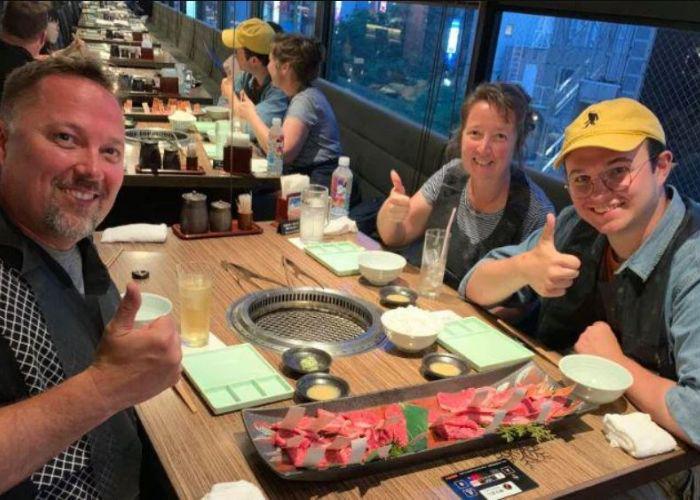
column 196, row 95
column 162, row 60
column 198, row 449
column 213, row 178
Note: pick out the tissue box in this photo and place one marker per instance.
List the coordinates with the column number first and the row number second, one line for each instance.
column 288, row 208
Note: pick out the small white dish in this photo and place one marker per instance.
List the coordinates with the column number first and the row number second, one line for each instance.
column 152, row 307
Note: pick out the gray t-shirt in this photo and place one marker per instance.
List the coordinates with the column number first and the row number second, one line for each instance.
column 478, row 226
column 322, row 143
column 72, row 263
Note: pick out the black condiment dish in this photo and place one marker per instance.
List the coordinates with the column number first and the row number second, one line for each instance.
column 441, row 357
column 312, row 379
column 291, row 359
column 387, row 299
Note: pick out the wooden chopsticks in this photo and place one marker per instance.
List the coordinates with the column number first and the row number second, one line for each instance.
column 184, row 394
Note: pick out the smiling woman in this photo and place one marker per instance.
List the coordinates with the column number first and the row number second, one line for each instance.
column 496, row 203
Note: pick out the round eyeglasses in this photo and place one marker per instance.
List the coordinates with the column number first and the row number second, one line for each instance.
column 617, row 178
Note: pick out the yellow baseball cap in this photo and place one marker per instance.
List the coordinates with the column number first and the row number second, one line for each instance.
column 253, row 34
column 618, row 124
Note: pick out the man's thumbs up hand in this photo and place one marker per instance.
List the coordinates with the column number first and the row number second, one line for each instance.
column 548, row 271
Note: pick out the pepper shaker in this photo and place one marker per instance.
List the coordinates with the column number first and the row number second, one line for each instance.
column 220, row 216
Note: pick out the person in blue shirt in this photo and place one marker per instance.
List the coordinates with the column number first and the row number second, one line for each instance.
column 251, row 42
column 616, row 275
column 310, row 129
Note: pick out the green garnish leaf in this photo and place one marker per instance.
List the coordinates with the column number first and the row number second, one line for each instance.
column 514, row 432
column 417, row 427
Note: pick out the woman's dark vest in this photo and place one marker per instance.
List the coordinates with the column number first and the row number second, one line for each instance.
column 462, row 253
column 633, row 308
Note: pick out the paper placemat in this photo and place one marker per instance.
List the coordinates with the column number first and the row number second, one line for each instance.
column 234, row 377
column 483, row 346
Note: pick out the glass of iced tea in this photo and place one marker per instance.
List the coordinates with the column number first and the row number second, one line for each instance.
column 194, row 281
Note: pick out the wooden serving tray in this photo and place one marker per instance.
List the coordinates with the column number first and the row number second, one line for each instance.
column 211, row 234
column 163, row 171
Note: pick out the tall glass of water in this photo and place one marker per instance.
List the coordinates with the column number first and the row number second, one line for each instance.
column 432, row 269
column 314, row 213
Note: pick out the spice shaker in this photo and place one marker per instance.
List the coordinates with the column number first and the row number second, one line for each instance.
column 194, row 218
column 220, row 216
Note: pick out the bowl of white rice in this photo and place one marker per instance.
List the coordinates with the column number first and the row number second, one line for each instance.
column 411, row 328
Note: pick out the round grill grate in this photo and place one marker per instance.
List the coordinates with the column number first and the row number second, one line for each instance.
column 289, row 317
column 156, row 134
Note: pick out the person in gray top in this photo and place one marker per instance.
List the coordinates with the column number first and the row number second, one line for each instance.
column 71, row 362
column 495, row 202
column 311, row 136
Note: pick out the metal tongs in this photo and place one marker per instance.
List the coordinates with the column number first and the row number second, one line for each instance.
column 289, row 265
column 248, row 275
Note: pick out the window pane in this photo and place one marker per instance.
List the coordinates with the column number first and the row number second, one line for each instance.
column 176, row 5
column 191, row 8
column 567, row 64
column 235, row 12
column 294, row 17
column 412, row 59
column 209, row 13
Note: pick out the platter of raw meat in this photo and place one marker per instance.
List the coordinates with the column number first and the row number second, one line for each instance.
column 401, row 427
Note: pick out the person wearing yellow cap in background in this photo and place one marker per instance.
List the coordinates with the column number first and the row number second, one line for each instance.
column 251, row 42
column 618, row 274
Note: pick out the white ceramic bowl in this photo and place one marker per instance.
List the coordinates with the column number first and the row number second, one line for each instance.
column 217, row 112
column 598, row 380
column 183, row 123
column 410, row 328
column 379, row 267
column 152, row 307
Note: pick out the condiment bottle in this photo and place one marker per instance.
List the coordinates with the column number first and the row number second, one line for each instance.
column 220, row 216
column 194, row 218
column 192, row 161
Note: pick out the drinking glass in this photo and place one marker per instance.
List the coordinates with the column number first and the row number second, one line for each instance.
column 314, row 213
column 432, row 269
column 194, row 281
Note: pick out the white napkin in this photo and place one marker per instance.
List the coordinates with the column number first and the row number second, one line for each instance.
column 294, row 183
column 238, row 490
column 341, row 225
column 136, row 233
column 637, row 434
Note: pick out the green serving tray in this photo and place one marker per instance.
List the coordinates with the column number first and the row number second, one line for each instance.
column 235, row 377
column 204, row 127
column 338, row 256
column 210, row 150
column 483, row 346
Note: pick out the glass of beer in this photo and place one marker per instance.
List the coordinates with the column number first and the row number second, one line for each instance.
column 194, row 280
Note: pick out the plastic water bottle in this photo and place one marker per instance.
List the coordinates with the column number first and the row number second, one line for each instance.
column 189, row 81
column 341, row 188
column 275, row 148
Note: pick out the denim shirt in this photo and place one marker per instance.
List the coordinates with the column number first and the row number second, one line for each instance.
column 273, row 102
column 680, row 305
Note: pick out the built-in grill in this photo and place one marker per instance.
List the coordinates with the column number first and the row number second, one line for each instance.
column 281, row 318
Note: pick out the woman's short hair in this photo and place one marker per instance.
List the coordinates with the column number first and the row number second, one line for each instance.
column 507, row 98
column 303, row 54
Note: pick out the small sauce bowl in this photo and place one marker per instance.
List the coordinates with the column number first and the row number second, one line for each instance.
column 397, row 296
column 306, row 360
column 442, row 365
column 315, row 386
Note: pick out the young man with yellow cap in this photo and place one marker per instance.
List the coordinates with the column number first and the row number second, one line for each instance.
column 618, row 274
column 251, row 42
